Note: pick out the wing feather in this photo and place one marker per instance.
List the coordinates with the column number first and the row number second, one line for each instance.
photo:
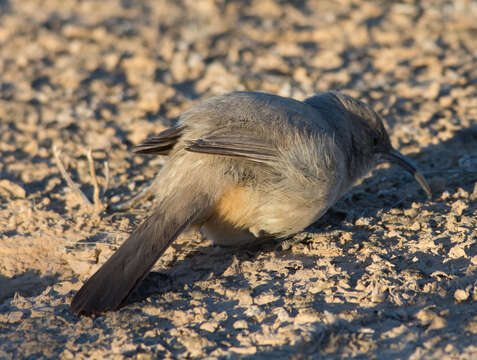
column 241, row 146
column 162, row 143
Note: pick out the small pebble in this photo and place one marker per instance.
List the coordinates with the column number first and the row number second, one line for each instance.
column 461, row 295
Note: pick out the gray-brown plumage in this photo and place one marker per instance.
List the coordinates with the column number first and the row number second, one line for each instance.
column 244, row 167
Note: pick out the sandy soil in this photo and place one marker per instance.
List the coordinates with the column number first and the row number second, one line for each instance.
column 385, row 274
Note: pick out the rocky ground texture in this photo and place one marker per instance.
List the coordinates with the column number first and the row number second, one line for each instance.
column 385, row 274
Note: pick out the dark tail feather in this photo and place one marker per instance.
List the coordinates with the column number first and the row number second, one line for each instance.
column 111, row 285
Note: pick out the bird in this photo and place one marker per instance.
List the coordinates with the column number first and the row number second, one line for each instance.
column 244, row 167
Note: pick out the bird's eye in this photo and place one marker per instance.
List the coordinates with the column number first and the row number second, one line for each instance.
column 375, row 141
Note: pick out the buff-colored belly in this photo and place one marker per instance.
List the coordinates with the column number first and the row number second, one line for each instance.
column 242, row 216
column 230, row 220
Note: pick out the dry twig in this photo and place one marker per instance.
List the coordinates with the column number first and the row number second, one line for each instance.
column 98, row 205
column 66, row 176
column 106, row 174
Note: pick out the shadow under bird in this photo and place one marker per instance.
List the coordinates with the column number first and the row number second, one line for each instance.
column 244, row 167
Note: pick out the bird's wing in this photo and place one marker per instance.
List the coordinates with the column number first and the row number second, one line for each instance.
column 235, row 145
column 162, row 143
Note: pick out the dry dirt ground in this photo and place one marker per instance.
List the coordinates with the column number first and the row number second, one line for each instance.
column 385, row 274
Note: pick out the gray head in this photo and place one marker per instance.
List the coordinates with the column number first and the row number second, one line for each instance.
column 369, row 139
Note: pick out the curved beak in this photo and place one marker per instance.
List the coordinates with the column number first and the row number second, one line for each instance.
column 396, row 157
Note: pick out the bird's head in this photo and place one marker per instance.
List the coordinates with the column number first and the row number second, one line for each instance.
column 369, row 140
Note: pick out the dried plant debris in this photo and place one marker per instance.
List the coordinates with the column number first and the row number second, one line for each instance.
column 384, row 274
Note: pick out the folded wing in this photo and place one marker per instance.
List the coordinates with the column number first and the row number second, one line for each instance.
column 235, row 145
column 162, row 143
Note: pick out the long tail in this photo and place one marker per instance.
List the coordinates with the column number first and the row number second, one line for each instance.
column 111, row 285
